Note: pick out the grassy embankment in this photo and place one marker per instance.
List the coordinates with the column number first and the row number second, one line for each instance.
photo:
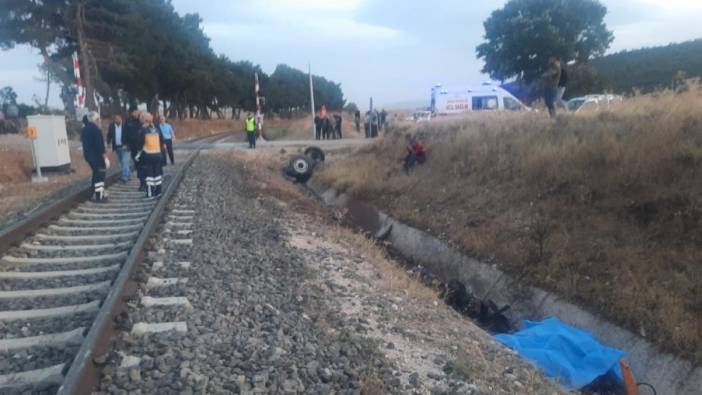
column 603, row 208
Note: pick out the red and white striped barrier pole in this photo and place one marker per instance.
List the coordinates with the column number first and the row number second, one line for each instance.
column 259, row 115
column 80, row 94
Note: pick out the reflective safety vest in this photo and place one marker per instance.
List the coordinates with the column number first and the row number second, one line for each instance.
column 152, row 143
column 250, row 125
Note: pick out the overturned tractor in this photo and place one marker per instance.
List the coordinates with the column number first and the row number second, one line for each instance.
column 301, row 167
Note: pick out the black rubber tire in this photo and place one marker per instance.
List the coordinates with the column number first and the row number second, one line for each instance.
column 315, row 153
column 301, row 167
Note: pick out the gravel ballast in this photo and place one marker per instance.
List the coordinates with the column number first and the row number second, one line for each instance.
column 281, row 305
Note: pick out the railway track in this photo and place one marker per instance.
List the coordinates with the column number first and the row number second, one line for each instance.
column 61, row 285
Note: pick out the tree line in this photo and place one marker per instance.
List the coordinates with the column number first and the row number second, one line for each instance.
column 144, row 51
column 521, row 36
column 649, row 69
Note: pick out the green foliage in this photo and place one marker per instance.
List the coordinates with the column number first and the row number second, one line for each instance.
column 649, row 69
column 39, row 23
column 520, row 37
column 584, row 80
column 351, row 108
column 144, row 51
column 327, row 93
column 8, row 96
column 288, row 90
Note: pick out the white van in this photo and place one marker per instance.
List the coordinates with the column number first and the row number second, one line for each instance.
column 488, row 96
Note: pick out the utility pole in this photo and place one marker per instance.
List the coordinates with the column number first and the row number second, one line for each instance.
column 259, row 115
column 314, row 128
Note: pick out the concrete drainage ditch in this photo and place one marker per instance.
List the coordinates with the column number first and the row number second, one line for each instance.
column 669, row 374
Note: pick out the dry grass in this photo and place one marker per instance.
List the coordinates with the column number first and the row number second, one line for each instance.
column 193, row 128
column 188, row 129
column 301, row 128
column 603, row 208
column 393, row 277
column 17, row 193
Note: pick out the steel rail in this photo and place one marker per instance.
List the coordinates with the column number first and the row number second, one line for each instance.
column 11, row 234
column 80, row 378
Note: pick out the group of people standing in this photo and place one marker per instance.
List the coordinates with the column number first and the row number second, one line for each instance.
column 327, row 127
column 146, row 139
column 375, row 121
column 555, row 82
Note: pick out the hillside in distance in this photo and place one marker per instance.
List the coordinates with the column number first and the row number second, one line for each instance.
column 648, row 69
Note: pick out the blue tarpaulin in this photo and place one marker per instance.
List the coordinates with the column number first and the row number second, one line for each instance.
column 569, row 355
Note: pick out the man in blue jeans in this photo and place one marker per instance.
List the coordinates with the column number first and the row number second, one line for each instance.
column 168, row 137
column 115, row 137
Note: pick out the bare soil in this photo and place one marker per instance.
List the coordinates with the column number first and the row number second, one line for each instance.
column 602, row 209
column 17, row 193
column 427, row 340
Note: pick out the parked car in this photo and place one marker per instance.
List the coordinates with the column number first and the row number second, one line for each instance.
column 421, row 116
column 592, row 102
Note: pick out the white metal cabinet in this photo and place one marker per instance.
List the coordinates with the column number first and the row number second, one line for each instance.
column 51, row 145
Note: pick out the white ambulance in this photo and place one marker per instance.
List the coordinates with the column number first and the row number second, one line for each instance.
column 488, row 96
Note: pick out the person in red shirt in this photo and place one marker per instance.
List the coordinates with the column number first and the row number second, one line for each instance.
column 416, row 154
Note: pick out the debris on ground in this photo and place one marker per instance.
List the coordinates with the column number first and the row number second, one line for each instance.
column 569, row 355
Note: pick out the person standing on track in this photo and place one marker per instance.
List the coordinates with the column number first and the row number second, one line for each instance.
column 131, row 137
column 168, row 137
column 94, row 154
column 116, row 138
column 250, row 126
column 150, row 157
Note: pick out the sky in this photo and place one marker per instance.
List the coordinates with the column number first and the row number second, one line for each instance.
column 392, row 50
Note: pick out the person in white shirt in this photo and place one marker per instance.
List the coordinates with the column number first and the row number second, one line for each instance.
column 115, row 137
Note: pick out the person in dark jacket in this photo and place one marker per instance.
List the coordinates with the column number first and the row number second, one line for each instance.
column 94, row 153
column 551, row 78
column 357, row 120
column 116, row 138
column 150, row 156
column 132, row 126
column 318, row 124
column 337, row 126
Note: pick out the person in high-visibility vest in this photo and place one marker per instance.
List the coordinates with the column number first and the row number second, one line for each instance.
column 250, row 124
column 132, row 126
column 151, row 159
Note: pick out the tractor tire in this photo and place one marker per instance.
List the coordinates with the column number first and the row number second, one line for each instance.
column 315, row 153
column 301, row 167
